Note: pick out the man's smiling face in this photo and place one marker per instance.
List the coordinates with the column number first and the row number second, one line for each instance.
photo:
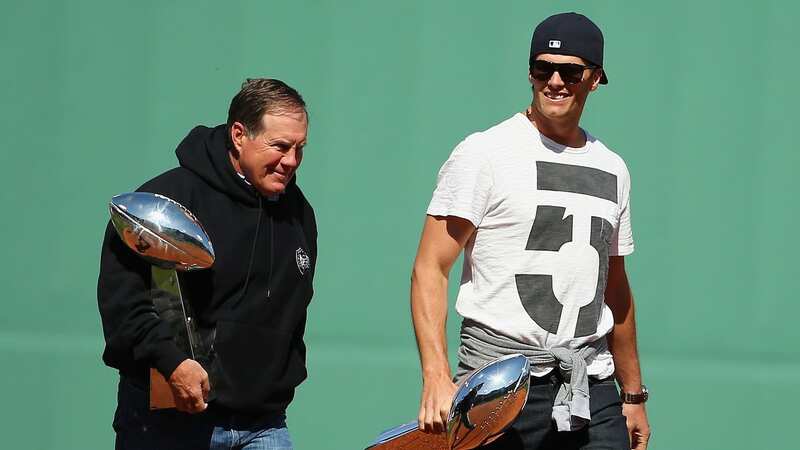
column 558, row 100
column 268, row 160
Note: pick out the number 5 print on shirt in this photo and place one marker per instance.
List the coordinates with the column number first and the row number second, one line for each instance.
column 563, row 293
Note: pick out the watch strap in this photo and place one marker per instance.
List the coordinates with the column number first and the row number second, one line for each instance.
column 635, row 399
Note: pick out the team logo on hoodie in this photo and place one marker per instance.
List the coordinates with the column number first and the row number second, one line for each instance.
column 303, row 261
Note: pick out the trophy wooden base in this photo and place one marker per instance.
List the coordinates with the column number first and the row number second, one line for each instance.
column 414, row 440
column 160, row 393
column 408, row 437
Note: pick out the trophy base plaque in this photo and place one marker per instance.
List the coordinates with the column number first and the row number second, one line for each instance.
column 160, row 392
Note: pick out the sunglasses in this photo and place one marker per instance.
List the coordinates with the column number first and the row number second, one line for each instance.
column 569, row 73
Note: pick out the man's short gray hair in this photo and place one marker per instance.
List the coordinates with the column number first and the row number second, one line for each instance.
column 260, row 96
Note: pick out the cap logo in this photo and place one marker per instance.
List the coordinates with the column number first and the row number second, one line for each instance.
column 554, row 44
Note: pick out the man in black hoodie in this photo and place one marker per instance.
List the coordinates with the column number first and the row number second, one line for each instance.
column 238, row 180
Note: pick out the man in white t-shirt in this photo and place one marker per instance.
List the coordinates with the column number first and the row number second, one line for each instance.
column 541, row 209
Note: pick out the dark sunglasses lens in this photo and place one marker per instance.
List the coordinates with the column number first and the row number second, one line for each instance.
column 571, row 73
column 542, row 70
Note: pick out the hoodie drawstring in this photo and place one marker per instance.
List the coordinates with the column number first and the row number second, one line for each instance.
column 271, row 253
column 252, row 252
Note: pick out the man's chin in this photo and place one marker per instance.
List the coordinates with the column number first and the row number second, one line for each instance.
column 558, row 116
column 274, row 186
column 554, row 112
column 272, row 189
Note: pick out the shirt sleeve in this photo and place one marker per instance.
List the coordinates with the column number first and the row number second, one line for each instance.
column 622, row 239
column 464, row 184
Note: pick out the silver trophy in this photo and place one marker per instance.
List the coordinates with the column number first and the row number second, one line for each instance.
column 169, row 237
column 486, row 403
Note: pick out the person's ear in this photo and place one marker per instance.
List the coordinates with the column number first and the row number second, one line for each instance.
column 597, row 74
column 238, row 135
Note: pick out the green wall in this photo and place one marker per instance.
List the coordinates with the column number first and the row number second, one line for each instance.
column 701, row 104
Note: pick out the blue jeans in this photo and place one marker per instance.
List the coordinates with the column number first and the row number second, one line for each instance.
column 275, row 438
column 138, row 428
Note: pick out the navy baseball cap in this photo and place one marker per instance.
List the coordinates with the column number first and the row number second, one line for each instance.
column 569, row 34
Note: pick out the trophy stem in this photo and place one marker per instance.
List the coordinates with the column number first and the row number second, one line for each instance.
column 186, row 317
column 172, row 308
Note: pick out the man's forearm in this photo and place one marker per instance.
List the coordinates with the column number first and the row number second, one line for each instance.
column 429, row 314
column 622, row 339
column 622, row 344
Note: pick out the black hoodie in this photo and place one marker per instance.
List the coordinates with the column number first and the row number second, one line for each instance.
column 255, row 296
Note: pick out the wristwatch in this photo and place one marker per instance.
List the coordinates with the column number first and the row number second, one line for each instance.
column 635, row 399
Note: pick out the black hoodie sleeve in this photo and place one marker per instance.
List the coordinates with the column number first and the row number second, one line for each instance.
column 133, row 331
column 135, row 335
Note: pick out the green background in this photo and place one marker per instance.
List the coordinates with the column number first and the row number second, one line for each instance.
column 701, row 104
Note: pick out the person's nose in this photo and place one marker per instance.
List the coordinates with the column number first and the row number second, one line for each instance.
column 291, row 159
column 555, row 83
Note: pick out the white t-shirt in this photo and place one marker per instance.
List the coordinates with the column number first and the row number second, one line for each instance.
column 547, row 217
